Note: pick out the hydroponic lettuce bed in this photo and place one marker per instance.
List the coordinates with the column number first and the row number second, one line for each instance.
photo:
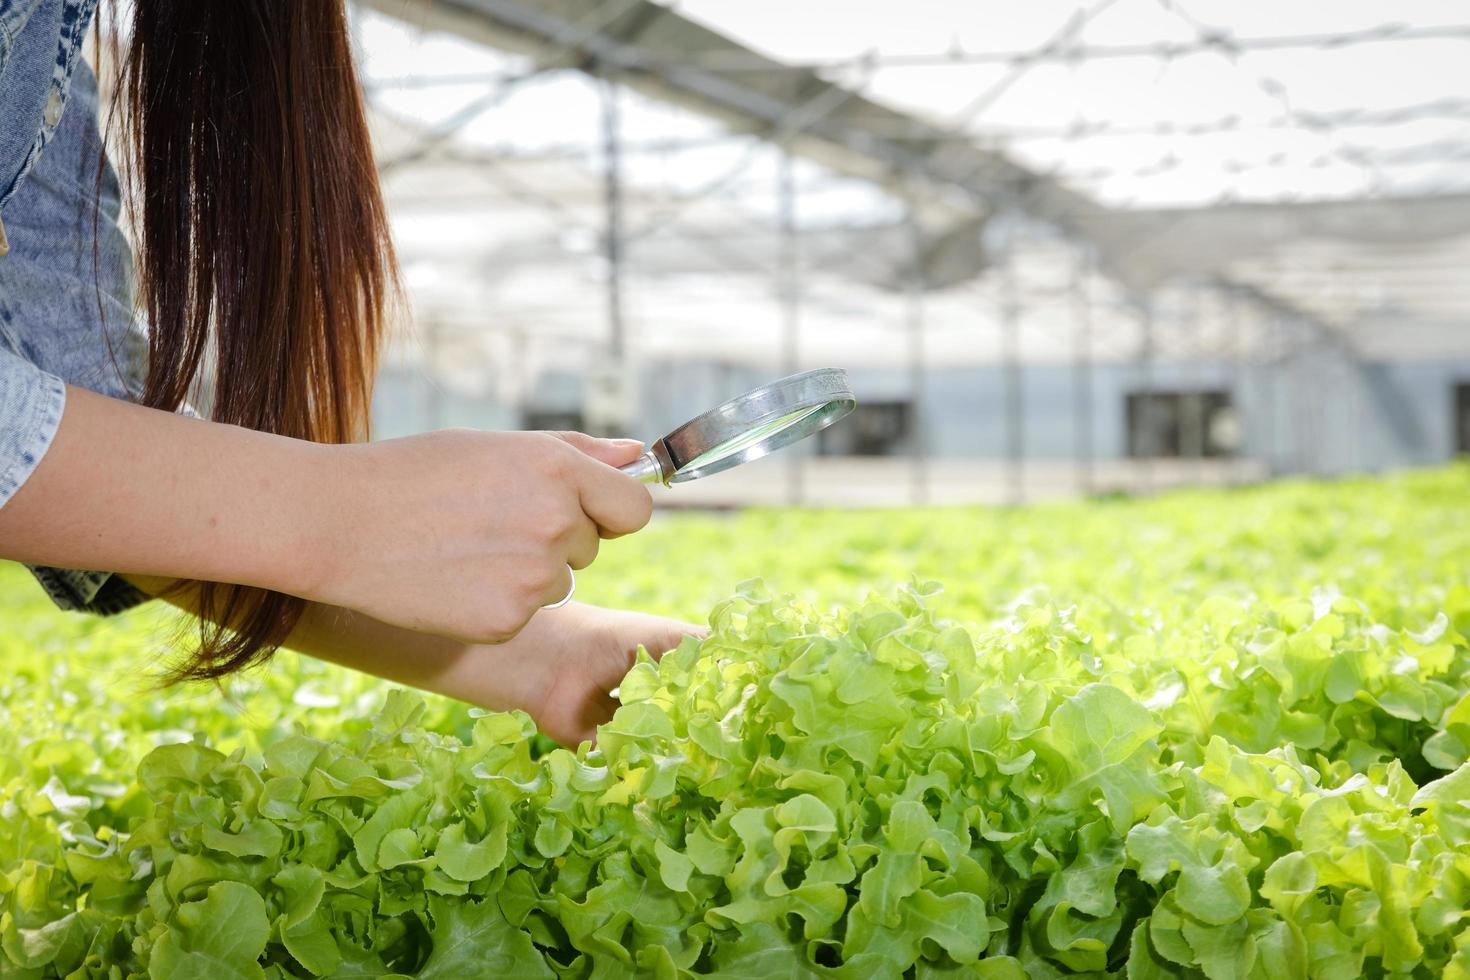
column 1218, row 734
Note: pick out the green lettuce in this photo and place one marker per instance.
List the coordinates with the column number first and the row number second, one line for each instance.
column 1217, row 736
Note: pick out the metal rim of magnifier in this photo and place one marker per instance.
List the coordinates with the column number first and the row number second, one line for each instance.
column 817, row 398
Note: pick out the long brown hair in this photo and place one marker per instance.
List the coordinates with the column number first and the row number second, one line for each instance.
column 262, row 243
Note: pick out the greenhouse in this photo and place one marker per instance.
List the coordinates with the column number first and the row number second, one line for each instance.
column 696, row 488
column 1102, row 265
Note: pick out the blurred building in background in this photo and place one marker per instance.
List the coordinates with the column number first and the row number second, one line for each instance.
column 1060, row 247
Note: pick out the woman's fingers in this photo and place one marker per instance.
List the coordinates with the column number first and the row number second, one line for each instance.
column 582, row 545
column 670, row 634
column 613, row 452
column 618, row 503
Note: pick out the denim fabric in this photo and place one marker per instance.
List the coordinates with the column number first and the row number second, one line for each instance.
column 31, row 402
column 66, row 291
column 65, row 287
column 40, row 45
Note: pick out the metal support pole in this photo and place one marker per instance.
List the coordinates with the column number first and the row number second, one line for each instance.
column 788, row 288
column 1192, row 423
column 1332, row 439
column 1082, row 371
column 1308, row 382
column 1275, row 364
column 914, row 289
column 1148, row 411
column 1292, row 368
column 1357, row 420
column 612, row 243
column 1235, row 333
column 1015, row 398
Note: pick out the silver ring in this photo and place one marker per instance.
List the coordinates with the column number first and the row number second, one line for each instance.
column 568, row 597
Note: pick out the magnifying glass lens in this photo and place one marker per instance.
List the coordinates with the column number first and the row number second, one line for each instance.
column 747, row 427
column 744, row 440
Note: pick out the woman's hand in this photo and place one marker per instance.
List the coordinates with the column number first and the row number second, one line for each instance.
column 559, row 669
column 576, row 655
column 468, row 534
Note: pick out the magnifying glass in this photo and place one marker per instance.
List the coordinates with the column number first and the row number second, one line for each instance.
column 747, row 427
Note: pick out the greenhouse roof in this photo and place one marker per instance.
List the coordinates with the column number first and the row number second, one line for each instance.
column 1285, row 157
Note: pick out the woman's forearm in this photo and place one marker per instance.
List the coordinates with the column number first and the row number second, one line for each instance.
column 460, row 533
column 560, row 668
column 492, row 676
column 136, row 490
column 160, row 497
column 497, row 676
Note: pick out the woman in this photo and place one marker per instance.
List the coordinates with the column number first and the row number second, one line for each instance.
column 263, row 243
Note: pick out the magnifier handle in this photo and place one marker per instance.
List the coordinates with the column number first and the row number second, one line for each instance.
column 647, row 468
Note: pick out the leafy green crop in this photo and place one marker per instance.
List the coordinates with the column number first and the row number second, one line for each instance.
column 1219, row 735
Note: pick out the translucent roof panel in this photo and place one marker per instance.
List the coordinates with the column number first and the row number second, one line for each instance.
column 1312, row 158
column 1145, row 103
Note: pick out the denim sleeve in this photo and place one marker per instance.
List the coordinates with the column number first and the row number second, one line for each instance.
column 66, row 314
column 31, row 402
